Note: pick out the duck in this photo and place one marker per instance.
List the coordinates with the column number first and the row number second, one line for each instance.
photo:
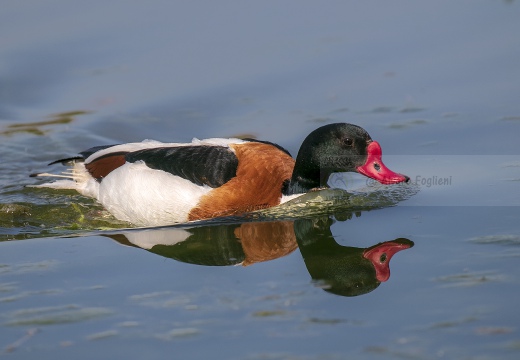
column 152, row 183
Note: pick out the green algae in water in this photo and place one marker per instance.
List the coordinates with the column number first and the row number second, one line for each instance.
column 14, row 210
column 470, row 279
column 102, row 335
column 269, row 313
column 55, row 315
column 26, row 220
column 179, row 333
column 41, row 128
column 505, row 239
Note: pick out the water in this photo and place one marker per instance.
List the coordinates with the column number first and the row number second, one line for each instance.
column 435, row 83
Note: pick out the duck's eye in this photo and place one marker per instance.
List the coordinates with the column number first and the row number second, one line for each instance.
column 382, row 259
column 348, row 141
column 377, row 167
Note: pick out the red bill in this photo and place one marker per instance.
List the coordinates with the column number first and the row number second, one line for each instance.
column 375, row 169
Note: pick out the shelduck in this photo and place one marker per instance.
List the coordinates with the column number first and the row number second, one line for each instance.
column 151, row 183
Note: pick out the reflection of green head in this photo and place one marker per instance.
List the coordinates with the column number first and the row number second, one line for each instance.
column 341, row 270
column 343, row 274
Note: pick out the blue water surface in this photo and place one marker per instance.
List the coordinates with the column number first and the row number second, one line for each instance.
column 436, row 83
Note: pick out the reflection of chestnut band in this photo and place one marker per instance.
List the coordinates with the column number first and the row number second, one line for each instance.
column 266, row 241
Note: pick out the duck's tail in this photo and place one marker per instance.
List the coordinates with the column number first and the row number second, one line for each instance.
column 74, row 178
column 71, row 172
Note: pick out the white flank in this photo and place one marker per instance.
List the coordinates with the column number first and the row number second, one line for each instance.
column 148, row 197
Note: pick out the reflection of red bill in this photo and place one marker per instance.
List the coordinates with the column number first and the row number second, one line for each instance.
column 375, row 169
column 381, row 254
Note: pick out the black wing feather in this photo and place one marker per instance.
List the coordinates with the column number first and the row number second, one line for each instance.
column 202, row 165
column 84, row 154
column 92, row 150
column 68, row 161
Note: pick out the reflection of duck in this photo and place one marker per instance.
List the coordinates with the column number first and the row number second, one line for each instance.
column 344, row 270
column 338, row 269
column 153, row 183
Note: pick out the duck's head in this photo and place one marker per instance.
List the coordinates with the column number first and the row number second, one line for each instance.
column 339, row 147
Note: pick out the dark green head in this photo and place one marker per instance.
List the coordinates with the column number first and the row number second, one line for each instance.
column 338, row 147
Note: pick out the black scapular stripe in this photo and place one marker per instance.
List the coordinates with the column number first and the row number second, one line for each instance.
column 202, row 165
